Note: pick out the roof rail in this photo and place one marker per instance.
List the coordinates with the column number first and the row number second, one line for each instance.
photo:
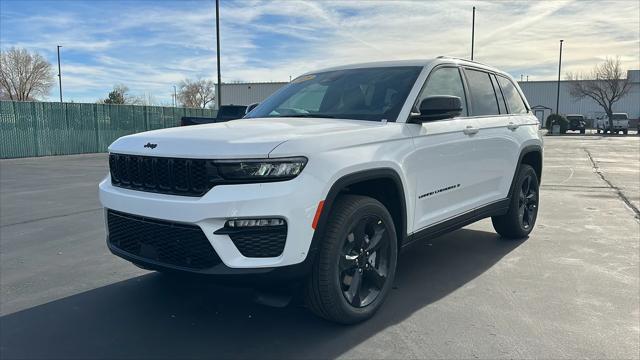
column 457, row 58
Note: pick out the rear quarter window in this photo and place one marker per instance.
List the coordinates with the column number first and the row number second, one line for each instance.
column 512, row 96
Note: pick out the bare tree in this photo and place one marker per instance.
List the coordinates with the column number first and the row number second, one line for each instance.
column 196, row 93
column 604, row 84
column 23, row 75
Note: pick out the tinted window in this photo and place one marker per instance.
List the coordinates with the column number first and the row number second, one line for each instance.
column 483, row 98
column 511, row 95
column 444, row 81
column 496, row 88
column 231, row 111
column 362, row 94
column 619, row 117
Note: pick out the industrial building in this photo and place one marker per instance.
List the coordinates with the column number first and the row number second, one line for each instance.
column 540, row 94
column 542, row 98
column 248, row 93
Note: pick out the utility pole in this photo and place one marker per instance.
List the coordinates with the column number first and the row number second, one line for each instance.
column 559, row 70
column 473, row 30
column 59, row 73
column 175, row 96
column 218, row 92
column 521, row 77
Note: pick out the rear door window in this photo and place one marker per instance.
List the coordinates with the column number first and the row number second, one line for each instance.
column 514, row 100
column 483, row 97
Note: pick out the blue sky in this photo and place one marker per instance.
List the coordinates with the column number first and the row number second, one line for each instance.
column 152, row 45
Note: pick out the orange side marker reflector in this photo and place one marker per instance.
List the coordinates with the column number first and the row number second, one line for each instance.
column 316, row 217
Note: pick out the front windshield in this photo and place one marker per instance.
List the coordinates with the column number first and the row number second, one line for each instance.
column 363, row 94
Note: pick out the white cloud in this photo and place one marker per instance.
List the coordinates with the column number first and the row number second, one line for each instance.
column 151, row 46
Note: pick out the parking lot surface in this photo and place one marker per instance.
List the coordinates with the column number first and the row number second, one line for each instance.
column 571, row 290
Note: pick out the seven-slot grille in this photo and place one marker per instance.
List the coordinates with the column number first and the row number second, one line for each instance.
column 175, row 176
column 161, row 241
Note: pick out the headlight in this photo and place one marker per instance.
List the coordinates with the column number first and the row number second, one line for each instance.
column 261, row 170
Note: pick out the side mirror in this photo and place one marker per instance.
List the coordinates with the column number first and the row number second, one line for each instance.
column 437, row 108
column 251, row 107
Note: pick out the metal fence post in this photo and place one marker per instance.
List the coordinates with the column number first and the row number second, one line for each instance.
column 96, row 126
column 35, row 128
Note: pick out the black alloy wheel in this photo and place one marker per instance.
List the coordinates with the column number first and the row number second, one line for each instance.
column 524, row 204
column 364, row 262
column 528, row 202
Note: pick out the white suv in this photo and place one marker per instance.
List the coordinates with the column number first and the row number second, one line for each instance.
column 328, row 178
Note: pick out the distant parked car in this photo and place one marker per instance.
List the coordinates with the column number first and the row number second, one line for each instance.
column 620, row 123
column 577, row 122
column 225, row 113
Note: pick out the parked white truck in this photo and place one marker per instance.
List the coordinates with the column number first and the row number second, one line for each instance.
column 620, row 124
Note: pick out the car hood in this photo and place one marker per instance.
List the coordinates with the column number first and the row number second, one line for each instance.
column 244, row 138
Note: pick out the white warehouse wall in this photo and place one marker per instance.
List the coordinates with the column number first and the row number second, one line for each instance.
column 543, row 93
column 248, row 93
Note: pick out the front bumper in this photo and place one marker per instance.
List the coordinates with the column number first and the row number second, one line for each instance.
column 288, row 200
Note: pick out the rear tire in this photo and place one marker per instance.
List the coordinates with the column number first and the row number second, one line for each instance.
column 625, row 132
column 518, row 222
column 582, row 131
column 356, row 262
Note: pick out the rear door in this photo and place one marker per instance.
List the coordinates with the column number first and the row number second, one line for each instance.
column 496, row 142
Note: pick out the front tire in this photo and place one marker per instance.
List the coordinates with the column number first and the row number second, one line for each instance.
column 356, row 262
column 518, row 222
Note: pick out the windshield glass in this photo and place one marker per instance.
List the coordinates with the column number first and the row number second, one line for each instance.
column 362, row 94
column 619, row 117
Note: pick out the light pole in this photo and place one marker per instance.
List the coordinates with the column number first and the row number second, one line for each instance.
column 558, row 89
column 175, row 96
column 473, row 30
column 218, row 92
column 59, row 73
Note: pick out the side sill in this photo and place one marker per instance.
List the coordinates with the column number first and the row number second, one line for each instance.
column 496, row 208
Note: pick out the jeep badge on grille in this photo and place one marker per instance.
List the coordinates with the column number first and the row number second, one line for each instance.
column 150, row 145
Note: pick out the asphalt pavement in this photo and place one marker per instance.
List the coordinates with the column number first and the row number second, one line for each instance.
column 569, row 291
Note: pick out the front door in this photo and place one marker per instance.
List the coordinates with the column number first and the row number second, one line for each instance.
column 445, row 152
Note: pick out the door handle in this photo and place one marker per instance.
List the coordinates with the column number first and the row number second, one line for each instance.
column 512, row 126
column 470, row 130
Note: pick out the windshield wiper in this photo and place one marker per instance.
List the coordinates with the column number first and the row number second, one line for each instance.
column 310, row 116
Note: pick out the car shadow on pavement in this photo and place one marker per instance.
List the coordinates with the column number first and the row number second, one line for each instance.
column 153, row 316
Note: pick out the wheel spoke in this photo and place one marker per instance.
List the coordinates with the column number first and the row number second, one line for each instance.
column 526, row 184
column 359, row 234
column 353, row 293
column 375, row 241
column 377, row 277
column 531, row 197
column 521, row 212
column 531, row 212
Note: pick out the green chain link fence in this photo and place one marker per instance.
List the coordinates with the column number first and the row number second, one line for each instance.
column 52, row 128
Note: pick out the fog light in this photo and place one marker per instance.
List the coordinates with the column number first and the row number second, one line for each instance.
column 244, row 223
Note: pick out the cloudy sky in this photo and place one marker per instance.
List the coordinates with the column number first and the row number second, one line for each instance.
column 152, row 45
